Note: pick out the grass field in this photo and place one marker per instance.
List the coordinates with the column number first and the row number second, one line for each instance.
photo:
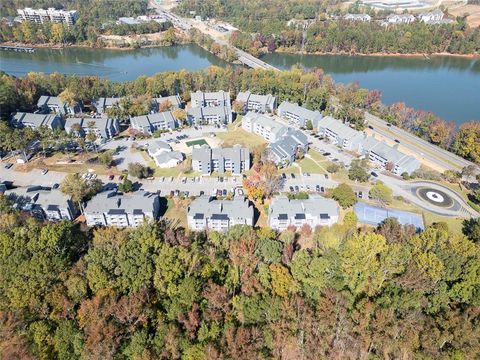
column 242, row 137
column 199, row 142
column 310, row 166
column 454, row 224
column 177, row 211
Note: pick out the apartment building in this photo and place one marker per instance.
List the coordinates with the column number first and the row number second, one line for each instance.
column 358, row 17
column 255, row 102
column 49, row 104
column 41, row 16
column 387, row 156
column 203, row 99
column 162, row 154
column 264, row 126
column 35, row 121
column 400, row 19
column 340, row 134
column 206, row 160
column 174, row 101
column 148, row 124
column 110, row 208
column 209, row 115
column 104, row 103
column 283, row 151
column 207, row 213
column 42, row 203
column 314, row 211
column 298, row 115
column 102, row 127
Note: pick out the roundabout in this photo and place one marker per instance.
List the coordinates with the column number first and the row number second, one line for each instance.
column 435, row 197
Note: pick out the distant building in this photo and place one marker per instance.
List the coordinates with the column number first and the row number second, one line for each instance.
column 203, row 99
column 400, row 19
column 266, row 127
column 41, row 16
column 103, row 127
column 283, row 151
column 298, row 115
column 434, row 17
column 175, row 102
column 105, row 103
column 358, row 17
column 148, row 124
column 314, row 211
column 382, row 154
column 54, row 104
column 35, row 121
column 235, row 159
column 122, row 210
column 254, row 102
column 209, row 115
column 42, row 203
column 341, row 134
column 206, row 213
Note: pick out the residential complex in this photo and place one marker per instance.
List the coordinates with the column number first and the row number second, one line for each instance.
column 203, row 99
column 54, row 104
column 148, row 124
column 298, row 115
column 122, row 210
column 207, row 213
column 43, row 203
column 209, row 115
column 314, row 211
column 254, row 102
column 102, row 127
column 358, row 17
column 340, row 134
column 266, row 127
column 41, row 16
column 206, row 160
column 35, row 121
column 400, row 19
column 105, row 103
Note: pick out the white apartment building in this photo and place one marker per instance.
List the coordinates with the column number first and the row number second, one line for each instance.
column 41, row 16
column 255, row 102
column 203, row 99
column 266, row 127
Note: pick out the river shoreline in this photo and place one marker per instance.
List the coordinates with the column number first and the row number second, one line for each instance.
column 184, row 41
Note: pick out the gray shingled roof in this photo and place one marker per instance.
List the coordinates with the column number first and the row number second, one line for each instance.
column 316, row 205
column 106, row 201
column 206, row 206
column 37, row 120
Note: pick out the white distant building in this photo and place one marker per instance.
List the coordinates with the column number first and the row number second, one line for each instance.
column 55, row 104
column 259, row 103
column 41, row 16
column 358, row 17
column 105, row 103
column 434, row 17
column 400, row 19
column 314, row 211
column 174, row 101
column 210, row 115
column 340, row 134
column 122, row 210
column 207, row 213
column 206, row 160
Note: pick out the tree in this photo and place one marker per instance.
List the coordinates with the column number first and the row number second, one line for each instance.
column 469, row 171
column 106, row 158
column 138, row 170
column 238, row 106
column 281, row 280
column 309, row 125
column 358, row 170
column 344, row 195
column 381, row 193
column 179, row 114
column 68, row 97
column 471, row 229
column 467, row 143
column 79, row 189
column 126, row 186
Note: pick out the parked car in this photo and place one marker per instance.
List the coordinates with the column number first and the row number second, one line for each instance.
column 284, row 176
column 292, row 175
column 374, row 174
column 389, row 125
column 111, row 177
column 225, row 192
column 360, row 195
column 297, row 188
column 219, row 192
column 397, row 141
column 8, row 166
column 326, row 154
column 370, row 127
column 202, row 192
column 44, row 171
column 307, row 174
column 172, row 193
column 55, row 186
column 184, row 180
column 317, row 188
column 291, row 189
column 322, row 189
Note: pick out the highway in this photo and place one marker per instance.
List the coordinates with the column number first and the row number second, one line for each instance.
column 424, row 151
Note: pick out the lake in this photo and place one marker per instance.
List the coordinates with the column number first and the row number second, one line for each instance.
column 448, row 86
column 116, row 65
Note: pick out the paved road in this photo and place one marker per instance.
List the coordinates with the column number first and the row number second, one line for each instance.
column 421, row 149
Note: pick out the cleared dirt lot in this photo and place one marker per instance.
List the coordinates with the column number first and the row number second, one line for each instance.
column 473, row 18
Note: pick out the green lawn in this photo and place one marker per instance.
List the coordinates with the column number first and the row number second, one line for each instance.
column 317, row 156
column 242, row 137
column 454, row 224
column 310, row 166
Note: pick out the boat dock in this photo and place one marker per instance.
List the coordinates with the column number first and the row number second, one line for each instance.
column 17, row 48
